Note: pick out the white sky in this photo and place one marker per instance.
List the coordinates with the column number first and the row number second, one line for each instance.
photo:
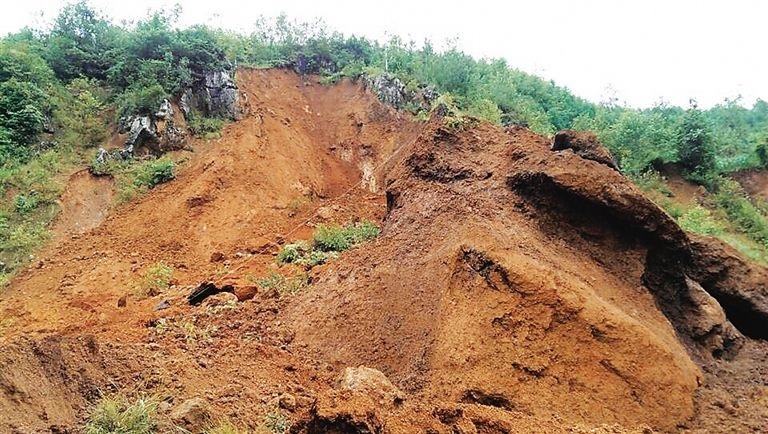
column 640, row 51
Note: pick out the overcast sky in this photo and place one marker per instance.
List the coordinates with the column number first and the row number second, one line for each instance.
column 640, row 51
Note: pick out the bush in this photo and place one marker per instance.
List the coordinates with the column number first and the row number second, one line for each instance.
column 141, row 99
column 277, row 423
column 117, row 415
column 205, row 127
column 327, row 242
column 762, row 154
column 695, row 146
column 25, row 203
column 742, row 212
column 291, row 253
column 156, row 279
column 331, row 238
column 699, row 220
column 335, row 238
column 155, row 172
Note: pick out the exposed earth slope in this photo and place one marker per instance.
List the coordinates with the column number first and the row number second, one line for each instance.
column 514, row 288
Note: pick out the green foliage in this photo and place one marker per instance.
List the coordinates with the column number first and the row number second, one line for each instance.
column 327, row 242
column 331, row 238
column 154, row 172
column 141, row 98
column 335, row 238
column 742, row 212
column 118, row 415
column 282, row 284
column 133, row 177
column 700, row 220
column 225, row 427
column 81, row 43
column 695, row 147
column 206, row 127
column 762, row 154
column 156, row 279
column 81, row 114
column 277, row 422
column 291, row 253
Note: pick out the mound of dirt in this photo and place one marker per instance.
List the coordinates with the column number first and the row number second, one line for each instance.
column 84, row 204
column 755, row 182
column 514, row 287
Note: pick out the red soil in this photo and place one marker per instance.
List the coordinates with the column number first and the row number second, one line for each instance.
column 510, row 290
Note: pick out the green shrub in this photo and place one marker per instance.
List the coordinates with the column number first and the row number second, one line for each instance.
column 335, row 238
column 762, row 154
column 699, row 220
column 206, row 127
column 327, row 242
column 277, row 422
column 154, row 172
column 742, row 212
column 25, row 203
column 331, row 238
column 141, row 99
column 226, row 427
column 156, row 279
column 291, row 253
column 117, row 415
column 695, row 145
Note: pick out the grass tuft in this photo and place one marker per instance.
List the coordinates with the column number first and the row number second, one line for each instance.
column 118, row 415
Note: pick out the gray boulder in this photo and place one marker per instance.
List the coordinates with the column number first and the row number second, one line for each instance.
column 214, row 94
column 392, row 91
column 165, row 111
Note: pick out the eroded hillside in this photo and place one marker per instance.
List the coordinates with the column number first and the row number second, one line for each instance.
column 513, row 288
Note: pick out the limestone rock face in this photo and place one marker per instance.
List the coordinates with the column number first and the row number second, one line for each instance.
column 392, row 91
column 213, row 94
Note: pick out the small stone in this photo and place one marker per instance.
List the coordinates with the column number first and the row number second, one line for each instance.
column 165, row 304
column 217, row 257
column 122, row 301
column 220, row 299
column 287, row 401
column 373, row 383
column 192, row 414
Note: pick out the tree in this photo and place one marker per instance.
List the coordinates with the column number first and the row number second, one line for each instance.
column 81, row 43
column 695, row 145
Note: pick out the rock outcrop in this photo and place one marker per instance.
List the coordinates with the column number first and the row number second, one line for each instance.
column 212, row 94
column 392, row 91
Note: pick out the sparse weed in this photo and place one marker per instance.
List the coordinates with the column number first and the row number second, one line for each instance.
column 226, row 427
column 193, row 333
column 277, row 422
column 118, row 415
column 156, row 279
column 282, row 284
column 293, row 252
column 297, row 203
column 187, row 330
